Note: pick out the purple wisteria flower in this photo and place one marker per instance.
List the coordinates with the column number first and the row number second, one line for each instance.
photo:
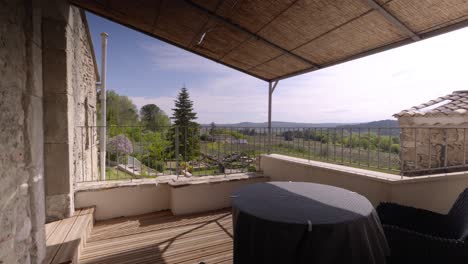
column 120, row 144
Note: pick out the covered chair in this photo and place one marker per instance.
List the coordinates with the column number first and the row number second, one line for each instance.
column 425, row 234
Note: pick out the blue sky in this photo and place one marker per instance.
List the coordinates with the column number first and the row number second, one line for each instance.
column 371, row 88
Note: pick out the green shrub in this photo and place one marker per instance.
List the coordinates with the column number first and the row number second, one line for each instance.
column 395, row 148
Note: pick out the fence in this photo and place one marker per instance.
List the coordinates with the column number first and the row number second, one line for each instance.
column 136, row 152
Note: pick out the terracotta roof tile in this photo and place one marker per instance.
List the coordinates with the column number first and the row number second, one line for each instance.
column 457, row 105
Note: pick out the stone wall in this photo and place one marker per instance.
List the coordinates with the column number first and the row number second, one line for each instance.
column 85, row 158
column 21, row 133
column 69, row 105
column 428, row 147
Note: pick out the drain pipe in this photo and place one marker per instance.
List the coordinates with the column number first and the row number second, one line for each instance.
column 102, row 140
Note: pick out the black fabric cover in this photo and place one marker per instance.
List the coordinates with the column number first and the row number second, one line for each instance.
column 428, row 236
column 297, row 222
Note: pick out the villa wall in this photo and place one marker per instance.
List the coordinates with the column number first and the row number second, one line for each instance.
column 69, row 105
column 182, row 196
column 21, row 133
column 429, row 145
column 435, row 192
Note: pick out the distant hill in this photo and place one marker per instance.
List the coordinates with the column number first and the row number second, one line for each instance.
column 387, row 127
column 388, row 123
column 382, row 123
column 278, row 124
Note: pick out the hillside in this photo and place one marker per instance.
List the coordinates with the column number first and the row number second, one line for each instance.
column 381, row 123
column 388, row 123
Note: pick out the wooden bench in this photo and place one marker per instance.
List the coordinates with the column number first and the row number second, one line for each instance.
column 66, row 238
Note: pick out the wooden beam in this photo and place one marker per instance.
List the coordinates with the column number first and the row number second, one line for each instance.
column 392, row 19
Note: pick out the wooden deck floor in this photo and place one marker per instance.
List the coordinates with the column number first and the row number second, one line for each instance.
column 162, row 238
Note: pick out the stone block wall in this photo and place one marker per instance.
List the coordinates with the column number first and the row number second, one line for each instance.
column 84, row 79
column 69, row 105
column 427, row 149
column 22, row 218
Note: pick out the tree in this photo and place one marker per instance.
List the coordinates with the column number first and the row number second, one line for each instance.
column 212, row 129
column 119, row 146
column 153, row 118
column 120, row 110
column 184, row 127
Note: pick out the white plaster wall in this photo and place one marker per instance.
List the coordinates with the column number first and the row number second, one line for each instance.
column 435, row 192
column 286, row 169
column 432, row 193
column 125, row 200
column 130, row 199
column 204, row 197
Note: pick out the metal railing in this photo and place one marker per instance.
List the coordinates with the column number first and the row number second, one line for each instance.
column 135, row 152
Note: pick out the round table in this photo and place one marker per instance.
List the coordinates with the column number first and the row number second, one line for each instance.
column 298, row 222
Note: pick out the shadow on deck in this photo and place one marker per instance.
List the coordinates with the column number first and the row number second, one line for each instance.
column 162, row 238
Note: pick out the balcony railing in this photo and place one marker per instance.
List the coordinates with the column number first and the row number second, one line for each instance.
column 136, row 152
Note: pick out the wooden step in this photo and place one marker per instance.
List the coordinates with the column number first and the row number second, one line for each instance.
column 67, row 237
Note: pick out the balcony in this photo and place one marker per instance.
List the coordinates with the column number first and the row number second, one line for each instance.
column 171, row 214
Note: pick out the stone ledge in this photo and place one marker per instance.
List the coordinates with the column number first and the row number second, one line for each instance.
column 172, row 180
column 373, row 175
column 185, row 181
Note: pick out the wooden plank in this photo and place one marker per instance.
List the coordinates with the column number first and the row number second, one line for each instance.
column 126, row 245
column 63, row 237
column 69, row 249
column 152, row 226
column 149, row 238
column 87, row 210
column 164, row 239
column 50, row 228
column 158, row 252
column 54, row 243
column 134, row 231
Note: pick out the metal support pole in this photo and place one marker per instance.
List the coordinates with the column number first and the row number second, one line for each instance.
column 271, row 89
column 103, row 105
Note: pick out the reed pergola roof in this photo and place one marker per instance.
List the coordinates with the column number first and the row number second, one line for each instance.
column 277, row 39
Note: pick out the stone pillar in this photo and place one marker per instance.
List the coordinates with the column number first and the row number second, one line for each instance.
column 22, row 213
column 58, row 104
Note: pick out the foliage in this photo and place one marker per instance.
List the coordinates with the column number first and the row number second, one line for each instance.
column 230, row 132
column 248, row 132
column 205, row 137
column 133, row 133
column 364, row 140
column 212, row 129
column 395, row 148
column 120, row 110
column 186, row 166
column 154, row 150
column 288, row 136
column 184, row 133
column 153, row 118
column 183, row 115
column 120, row 145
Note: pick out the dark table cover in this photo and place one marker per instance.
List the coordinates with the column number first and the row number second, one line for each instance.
column 298, row 222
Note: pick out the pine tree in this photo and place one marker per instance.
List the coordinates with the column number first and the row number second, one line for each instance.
column 185, row 126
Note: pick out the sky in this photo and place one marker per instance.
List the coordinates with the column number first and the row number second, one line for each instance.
column 368, row 89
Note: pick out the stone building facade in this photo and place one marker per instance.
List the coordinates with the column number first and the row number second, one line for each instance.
column 22, row 213
column 69, row 106
column 434, row 135
column 47, row 87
